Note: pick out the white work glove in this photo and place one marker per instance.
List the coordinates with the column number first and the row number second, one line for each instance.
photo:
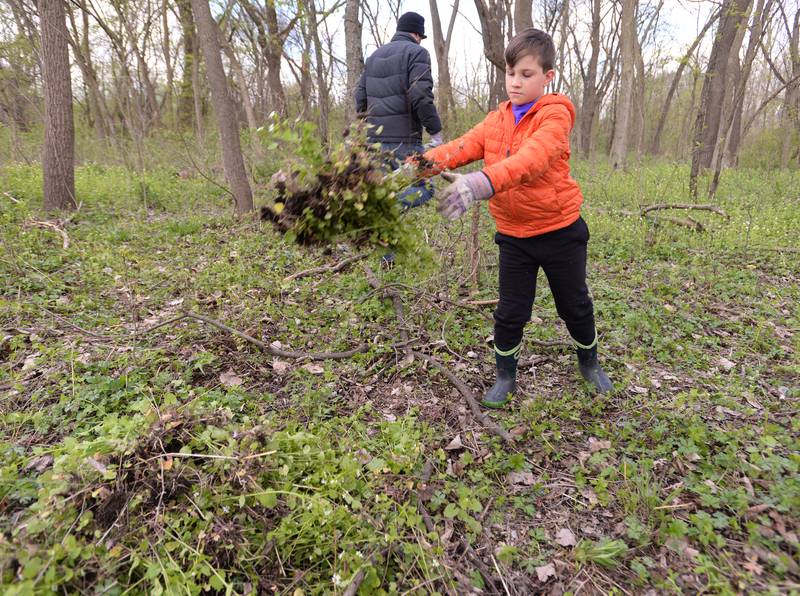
column 462, row 192
column 435, row 141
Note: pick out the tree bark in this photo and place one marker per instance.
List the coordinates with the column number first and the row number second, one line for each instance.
column 441, row 46
column 223, row 108
column 491, row 15
column 655, row 147
column 791, row 102
column 58, row 153
column 354, row 55
column 712, row 97
column 185, row 108
column 323, row 96
column 589, row 99
column 523, row 15
column 619, row 143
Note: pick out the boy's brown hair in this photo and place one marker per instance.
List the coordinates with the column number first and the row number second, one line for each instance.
column 532, row 42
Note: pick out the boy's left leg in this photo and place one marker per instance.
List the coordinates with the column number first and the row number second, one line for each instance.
column 565, row 269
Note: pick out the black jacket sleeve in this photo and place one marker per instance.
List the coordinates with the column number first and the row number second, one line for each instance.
column 361, row 96
column 420, row 91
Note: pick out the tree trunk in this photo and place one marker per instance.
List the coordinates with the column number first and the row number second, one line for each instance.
column 223, row 107
column 712, row 97
column 492, row 14
column 589, row 99
column 733, row 124
column 760, row 22
column 58, row 153
column 619, row 144
column 523, row 15
column 323, row 96
column 274, row 59
column 185, row 108
column 241, row 82
column 655, row 147
column 441, row 46
column 166, row 50
column 354, row 55
column 791, row 102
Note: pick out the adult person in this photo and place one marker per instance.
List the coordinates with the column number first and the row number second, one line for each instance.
column 395, row 96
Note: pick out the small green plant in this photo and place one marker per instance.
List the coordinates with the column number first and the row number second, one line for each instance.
column 605, row 552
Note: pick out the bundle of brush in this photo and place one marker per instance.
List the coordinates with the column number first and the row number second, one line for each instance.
column 346, row 191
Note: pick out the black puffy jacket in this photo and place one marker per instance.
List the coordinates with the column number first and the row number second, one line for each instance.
column 395, row 92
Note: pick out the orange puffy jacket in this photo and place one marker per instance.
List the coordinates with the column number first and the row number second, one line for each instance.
column 527, row 164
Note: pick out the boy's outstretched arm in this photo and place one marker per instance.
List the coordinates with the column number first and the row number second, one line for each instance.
column 536, row 154
column 458, row 152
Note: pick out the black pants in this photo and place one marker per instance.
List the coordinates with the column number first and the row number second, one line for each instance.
column 562, row 255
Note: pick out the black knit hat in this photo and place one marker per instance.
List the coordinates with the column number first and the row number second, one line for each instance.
column 411, row 22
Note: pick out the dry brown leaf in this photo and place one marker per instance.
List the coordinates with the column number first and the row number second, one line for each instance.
column 545, row 572
column 314, row 368
column 725, row 363
column 596, row 445
column 524, row 478
column 565, row 537
column 455, row 444
column 229, row 379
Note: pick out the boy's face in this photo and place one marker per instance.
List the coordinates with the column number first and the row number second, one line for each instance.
column 525, row 81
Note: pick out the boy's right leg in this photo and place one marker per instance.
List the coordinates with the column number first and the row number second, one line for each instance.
column 517, row 290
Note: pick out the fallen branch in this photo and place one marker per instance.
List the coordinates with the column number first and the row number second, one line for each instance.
column 266, row 347
column 11, row 197
column 325, row 268
column 462, row 387
column 358, row 578
column 660, row 206
column 690, row 223
column 483, row 302
column 469, row 397
column 46, row 225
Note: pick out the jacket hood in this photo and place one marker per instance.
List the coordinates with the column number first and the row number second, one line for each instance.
column 547, row 99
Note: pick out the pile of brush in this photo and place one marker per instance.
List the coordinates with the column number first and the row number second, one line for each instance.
column 350, row 193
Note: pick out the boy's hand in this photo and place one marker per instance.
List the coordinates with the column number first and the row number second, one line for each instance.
column 462, row 192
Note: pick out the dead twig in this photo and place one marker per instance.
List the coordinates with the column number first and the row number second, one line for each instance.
column 690, row 223
column 468, row 396
column 661, row 206
column 325, row 268
column 462, row 387
column 358, row 578
column 272, row 349
column 11, row 197
column 46, row 225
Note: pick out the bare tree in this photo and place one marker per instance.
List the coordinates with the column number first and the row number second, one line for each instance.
column 441, row 45
column 619, row 144
column 58, row 153
column 223, row 107
column 655, row 146
column 709, row 114
column 791, row 103
column 590, row 100
column 354, row 55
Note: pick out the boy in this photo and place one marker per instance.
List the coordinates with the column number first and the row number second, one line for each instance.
column 535, row 204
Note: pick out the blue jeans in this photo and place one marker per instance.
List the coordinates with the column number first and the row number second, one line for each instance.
column 418, row 193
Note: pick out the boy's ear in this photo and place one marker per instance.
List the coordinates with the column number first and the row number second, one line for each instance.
column 549, row 76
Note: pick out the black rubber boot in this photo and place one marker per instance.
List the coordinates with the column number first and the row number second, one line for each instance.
column 505, row 385
column 591, row 370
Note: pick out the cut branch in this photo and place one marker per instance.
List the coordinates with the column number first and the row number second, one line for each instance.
column 46, row 225
column 324, row 268
column 462, row 387
column 660, row 206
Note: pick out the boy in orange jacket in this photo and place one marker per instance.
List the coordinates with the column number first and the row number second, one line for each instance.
column 535, row 204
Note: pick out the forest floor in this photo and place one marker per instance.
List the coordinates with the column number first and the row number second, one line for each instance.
column 144, row 458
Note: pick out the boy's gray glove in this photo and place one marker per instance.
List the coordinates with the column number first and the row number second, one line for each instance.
column 462, row 192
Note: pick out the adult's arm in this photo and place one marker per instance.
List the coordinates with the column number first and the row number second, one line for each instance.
column 420, row 91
